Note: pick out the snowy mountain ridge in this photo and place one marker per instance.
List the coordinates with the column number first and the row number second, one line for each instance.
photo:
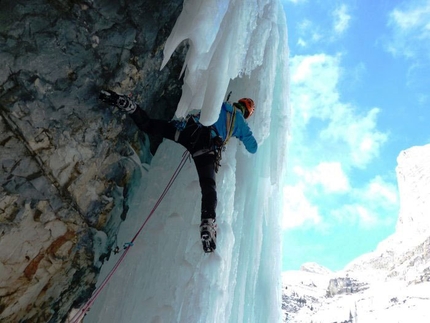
column 391, row 284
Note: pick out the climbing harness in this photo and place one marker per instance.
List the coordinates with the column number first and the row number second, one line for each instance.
column 216, row 144
column 82, row 312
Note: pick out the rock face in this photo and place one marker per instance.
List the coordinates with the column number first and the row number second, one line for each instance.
column 391, row 284
column 413, row 173
column 68, row 162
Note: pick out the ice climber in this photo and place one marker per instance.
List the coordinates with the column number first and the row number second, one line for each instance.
column 204, row 143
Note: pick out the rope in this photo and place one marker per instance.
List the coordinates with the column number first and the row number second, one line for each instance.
column 81, row 313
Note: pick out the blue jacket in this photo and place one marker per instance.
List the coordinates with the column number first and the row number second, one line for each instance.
column 241, row 129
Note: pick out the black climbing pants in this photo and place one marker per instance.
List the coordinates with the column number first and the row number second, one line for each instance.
column 195, row 138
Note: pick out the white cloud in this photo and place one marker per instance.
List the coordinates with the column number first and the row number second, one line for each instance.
column 317, row 33
column 332, row 177
column 310, row 33
column 301, row 42
column 350, row 134
column 409, row 38
column 305, row 67
column 381, row 192
column 416, row 16
column 314, row 85
column 331, row 140
column 358, row 132
column 297, row 208
column 296, row 1
column 355, row 214
column 410, row 24
column 341, row 19
column 329, row 175
column 375, row 204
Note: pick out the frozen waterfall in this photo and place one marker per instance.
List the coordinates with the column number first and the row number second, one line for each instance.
column 238, row 46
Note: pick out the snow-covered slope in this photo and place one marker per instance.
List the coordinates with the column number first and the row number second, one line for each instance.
column 166, row 277
column 391, row 284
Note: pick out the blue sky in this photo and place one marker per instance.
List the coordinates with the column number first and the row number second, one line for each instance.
column 360, row 94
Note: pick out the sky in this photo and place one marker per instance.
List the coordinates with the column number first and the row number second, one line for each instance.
column 359, row 92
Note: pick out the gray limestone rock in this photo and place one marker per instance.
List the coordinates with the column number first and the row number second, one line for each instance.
column 68, row 162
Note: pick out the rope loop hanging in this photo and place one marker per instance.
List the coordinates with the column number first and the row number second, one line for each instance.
column 82, row 311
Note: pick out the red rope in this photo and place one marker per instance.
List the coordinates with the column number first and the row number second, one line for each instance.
column 81, row 313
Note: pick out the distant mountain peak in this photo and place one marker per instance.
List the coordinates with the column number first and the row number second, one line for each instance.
column 313, row 267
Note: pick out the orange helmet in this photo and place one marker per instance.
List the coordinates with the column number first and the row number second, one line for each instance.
column 249, row 107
